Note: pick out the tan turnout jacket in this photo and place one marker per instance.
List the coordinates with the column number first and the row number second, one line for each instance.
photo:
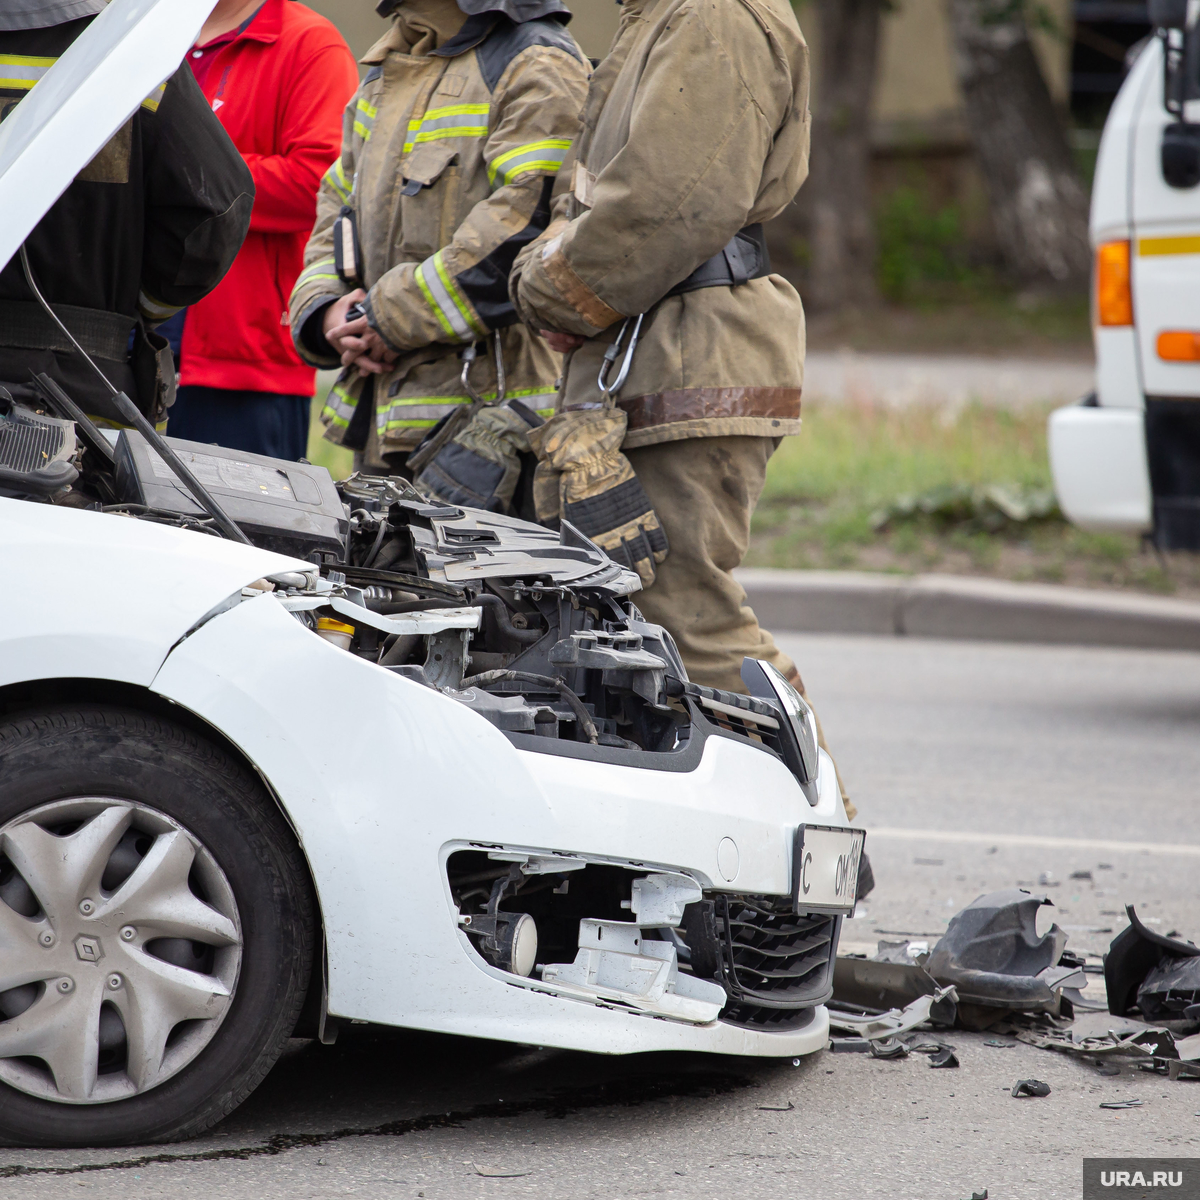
column 696, row 125
column 448, row 157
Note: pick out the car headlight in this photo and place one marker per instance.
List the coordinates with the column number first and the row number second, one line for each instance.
column 801, row 717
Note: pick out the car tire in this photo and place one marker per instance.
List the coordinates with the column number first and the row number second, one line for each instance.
column 98, row 765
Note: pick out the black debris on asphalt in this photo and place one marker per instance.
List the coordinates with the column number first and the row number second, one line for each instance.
column 997, row 963
column 790, row 1107
column 1149, row 971
column 1122, row 1103
column 849, row 1045
column 945, row 1057
column 1030, row 1087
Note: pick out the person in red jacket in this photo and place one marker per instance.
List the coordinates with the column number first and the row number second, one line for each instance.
column 278, row 76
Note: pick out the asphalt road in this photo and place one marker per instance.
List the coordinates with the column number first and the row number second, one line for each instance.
column 975, row 767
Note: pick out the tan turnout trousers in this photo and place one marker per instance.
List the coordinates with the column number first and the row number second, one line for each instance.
column 705, row 491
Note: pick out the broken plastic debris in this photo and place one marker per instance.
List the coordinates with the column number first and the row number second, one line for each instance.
column 1122, row 1103
column 888, row 1048
column 849, row 1045
column 1030, row 1087
column 945, row 1057
column 1081, row 874
column 1170, row 993
column 993, row 957
column 893, row 1022
column 1131, row 957
column 1140, row 1043
column 880, row 986
column 789, row 1107
column 1082, row 1003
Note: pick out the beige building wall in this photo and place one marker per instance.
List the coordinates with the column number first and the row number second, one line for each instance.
column 594, row 24
column 916, row 96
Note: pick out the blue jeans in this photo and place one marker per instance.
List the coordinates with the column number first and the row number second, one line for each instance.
column 259, row 422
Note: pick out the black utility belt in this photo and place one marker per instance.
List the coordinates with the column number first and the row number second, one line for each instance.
column 24, row 325
column 743, row 259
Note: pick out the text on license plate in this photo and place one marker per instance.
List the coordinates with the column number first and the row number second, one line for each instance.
column 825, row 867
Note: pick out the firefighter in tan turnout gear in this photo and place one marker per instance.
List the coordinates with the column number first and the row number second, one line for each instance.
column 449, row 154
column 685, row 354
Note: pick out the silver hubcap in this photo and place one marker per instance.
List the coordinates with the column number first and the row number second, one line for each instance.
column 120, row 945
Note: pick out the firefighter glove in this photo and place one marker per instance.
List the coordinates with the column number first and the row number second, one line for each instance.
column 480, row 465
column 582, row 477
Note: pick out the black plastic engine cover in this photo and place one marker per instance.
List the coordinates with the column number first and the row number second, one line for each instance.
column 291, row 508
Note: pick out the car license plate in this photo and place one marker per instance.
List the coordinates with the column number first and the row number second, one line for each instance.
column 825, row 868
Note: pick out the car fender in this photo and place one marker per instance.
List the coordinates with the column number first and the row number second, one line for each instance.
column 101, row 596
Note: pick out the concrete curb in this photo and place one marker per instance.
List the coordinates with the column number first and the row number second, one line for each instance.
column 954, row 606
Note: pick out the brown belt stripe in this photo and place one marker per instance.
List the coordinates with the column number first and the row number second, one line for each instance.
column 690, row 404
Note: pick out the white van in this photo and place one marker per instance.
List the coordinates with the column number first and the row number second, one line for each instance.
column 1127, row 457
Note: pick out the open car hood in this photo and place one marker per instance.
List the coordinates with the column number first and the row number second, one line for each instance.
column 63, row 122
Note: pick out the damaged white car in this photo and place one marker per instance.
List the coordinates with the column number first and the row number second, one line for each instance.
column 388, row 761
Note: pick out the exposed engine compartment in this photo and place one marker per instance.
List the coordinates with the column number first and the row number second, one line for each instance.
column 533, row 629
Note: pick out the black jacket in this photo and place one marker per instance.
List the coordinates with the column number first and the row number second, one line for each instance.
column 150, row 225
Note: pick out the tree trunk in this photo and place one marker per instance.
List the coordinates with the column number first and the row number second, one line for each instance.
column 843, row 224
column 1038, row 204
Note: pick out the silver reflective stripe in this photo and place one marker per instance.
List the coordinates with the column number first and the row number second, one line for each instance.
column 420, row 412
column 321, row 269
column 436, row 286
column 153, row 100
column 339, row 406
column 19, row 72
column 155, row 310
column 336, row 178
column 544, row 156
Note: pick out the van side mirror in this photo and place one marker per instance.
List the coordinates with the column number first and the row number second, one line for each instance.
column 1168, row 14
column 1181, row 155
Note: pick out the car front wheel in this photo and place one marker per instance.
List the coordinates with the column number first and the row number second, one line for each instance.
column 156, row 929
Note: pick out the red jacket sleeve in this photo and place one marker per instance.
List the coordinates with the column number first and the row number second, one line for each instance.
column 317, row 89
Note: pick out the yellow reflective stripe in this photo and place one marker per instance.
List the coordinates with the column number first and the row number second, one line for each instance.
column 421, row 412
column 156, row 310
column 453, row 131
column 1148, row 247
column 447, row 122
column 153, row 100
column 321, row 269
column 339, row 407
column 19, row 72
column 365, row 121
column 336, row 178
column 460, row 303
column 546, row 156
column 441, row 294
column 418, row 412
column 434, row 115
column 419, row 275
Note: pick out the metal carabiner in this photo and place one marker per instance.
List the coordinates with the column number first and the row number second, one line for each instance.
column 610, row 357
column 469, row 356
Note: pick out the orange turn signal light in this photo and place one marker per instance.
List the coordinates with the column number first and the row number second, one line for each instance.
column 1114, row 298
column 1179, row 345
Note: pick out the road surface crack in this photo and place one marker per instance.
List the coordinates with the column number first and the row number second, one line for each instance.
column 625, row 1093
